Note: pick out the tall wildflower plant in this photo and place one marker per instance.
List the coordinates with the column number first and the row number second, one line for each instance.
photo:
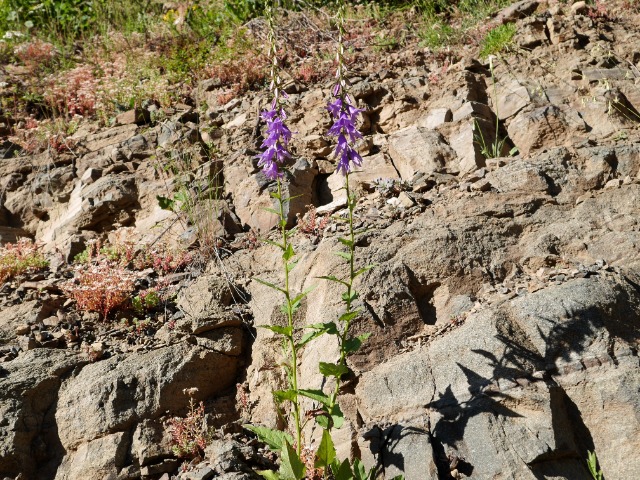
column 297, row 460
column 272, row 159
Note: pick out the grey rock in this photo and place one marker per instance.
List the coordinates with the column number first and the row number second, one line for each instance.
column 418, row 149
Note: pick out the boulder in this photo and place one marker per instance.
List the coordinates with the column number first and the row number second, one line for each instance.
column 419, row 149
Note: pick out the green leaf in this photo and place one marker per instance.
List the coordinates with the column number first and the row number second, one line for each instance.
column 331, row 278
column 291, row 467
column 345, row 255
column 269, row 474
column 275, row 244
column 291, row 265
column 286, row 331
column 275, row 195
column 332, row 369
column 317, row 395
column 345, row 241
column 271, row 210
column 359, row 472
column 330, row 327
column 274, row 438
column 288, row 253
column 326, row 451
column 353, row 344
column 270, row 285
column 166, row 203
column 319, row 329
column 341, row 470
column 348, row 316
column 282, row 395
column 350, row 297
column 181, row 196
column 334, row 420
column 362, row 270
column 303, row 294
column 309, row 336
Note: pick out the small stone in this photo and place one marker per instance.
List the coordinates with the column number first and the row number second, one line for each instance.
column 90, row 175
column 405, row 200
column 23, row 329
column 481, row 186
column 615, row 183
column 26, row 343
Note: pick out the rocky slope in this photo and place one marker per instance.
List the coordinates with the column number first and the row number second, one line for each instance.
column 504, row 308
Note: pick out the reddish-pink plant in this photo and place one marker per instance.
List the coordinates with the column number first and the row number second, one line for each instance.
column 190, row 435
column 100, row 287
column 73, row 92
column 20, row 257
column 35, row 53
column 311, row 224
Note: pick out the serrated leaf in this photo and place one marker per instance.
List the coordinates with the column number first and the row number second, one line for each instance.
column 317, row 395
column 286, row 331
column 270, row 285
column 345, row 255
column 326, row 451
column 331, row 278
column 332, row 369
column 274, row 438
column 362, row 270
column 291, row 467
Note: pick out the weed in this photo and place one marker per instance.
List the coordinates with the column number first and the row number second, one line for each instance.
column 495, row 148
column 146, row 300
column 20, row 258
column 436, row 33
column 195, row 201
column 100, row 287
column 498, row 40
column 190, row 435
column 592, row 463
column 310, row 224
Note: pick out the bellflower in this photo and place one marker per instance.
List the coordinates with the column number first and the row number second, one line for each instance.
column 275, row 143
column 345, row 116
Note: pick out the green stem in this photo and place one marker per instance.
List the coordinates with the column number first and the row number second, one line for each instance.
column 496, row 146
column 352, row 273
column 290, row 338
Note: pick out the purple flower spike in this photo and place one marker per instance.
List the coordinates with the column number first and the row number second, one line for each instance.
column 277, row 138
column 345, row 116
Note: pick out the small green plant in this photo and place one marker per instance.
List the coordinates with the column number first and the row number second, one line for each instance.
column 146, row 300
column 436, row 33
column 495, row 148
column 20, row 258
column 498, row 40
column 592, row 463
